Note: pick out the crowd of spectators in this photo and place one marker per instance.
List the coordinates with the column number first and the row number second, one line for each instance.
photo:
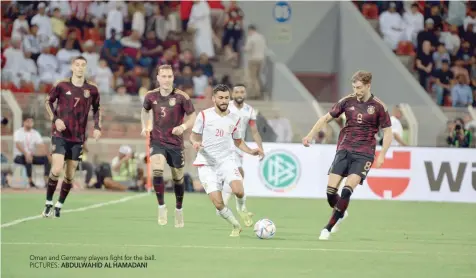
column 123, row 42
column 442, row 37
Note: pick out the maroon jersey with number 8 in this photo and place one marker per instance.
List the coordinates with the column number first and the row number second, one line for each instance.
column 363, row 121
column 168, row 112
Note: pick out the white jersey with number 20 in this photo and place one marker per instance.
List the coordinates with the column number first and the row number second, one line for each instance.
column 218, row 133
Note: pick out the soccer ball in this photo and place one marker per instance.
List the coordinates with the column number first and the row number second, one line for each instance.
column 265, row 229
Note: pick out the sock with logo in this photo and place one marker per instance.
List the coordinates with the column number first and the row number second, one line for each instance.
column 65, row 188
column 227, row 214
column 179, row 189
column 159, row 185
column 340, row 207
column 51, row 187
column 332, row 196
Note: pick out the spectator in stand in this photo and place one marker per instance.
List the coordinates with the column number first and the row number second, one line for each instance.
column 465, row 54
column 48, row 66
column 20, row 26
column 451, row 40
column 185, row 80
column 392, row 26
column 113, row 51
column 98, row 11
column 121, row 96
column 164, row 23
column 470, row 19
column 115, row 21
column 80, row 18
column 200, row 83
column 138, row 19
column 436, row 17
column 64, row 6
column 26, row 141
column 440, row 55
column 255, row 48
column 169, row 59
column 152, row 48
column 58, row 25
column 201, row 24
column 461, row 93
column 92, row 57
column 470, row 36
column 187, row 59
column 217, row 13
column 31, row 43
column 73, row 36
column 45, row 30
column 233, row 31
column 456, row 13
column 104, row 77
column 443, row 80
column 428, row 34
column 413, row 21
column 132, row 80
column 459, row 137
column 424, row 64
column 185, row 11
column 14, row 62
column 29, row 79
column 206, row 66
column 65, row 56
column 132, row 51
column 459, row 68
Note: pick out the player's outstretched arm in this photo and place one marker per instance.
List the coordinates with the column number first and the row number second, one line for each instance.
column 387, row 140
column 317, row 126
column 240, row 144
column 188, row 122
column 256, row 135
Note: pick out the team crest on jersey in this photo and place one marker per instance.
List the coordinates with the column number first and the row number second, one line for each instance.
column 172, row 101
column 370, row 109
column 87, row 93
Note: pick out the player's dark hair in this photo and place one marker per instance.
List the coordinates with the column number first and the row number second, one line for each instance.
column 79, row 58
column 239, row 85
column 27, row 116
column 363, row 76
column 220, row 88
column 251, row 27
column 164, row 67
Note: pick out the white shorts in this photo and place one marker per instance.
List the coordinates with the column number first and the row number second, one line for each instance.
column 239, row 159
column 213, row 177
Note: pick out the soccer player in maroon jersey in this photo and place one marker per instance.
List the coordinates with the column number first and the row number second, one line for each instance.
column 365, row 115
column 74, row 98
column 173, row 114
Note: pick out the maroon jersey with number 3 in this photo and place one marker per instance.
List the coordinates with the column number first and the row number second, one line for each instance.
column 168, row 112
column 72, row 106
column 363, row 121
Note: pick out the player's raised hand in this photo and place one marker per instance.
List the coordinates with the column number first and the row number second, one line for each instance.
column 145, row 132
column 60, row 126
column 178, row 130
column 380, row 160
column 96, row 134
column 306, row 141
column 197, row 146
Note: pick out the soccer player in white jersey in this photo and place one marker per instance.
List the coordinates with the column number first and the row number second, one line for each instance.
column 248, row 119
column 215, row 136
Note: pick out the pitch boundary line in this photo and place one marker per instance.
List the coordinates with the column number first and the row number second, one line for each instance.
column 98, row 205
column 257, row 248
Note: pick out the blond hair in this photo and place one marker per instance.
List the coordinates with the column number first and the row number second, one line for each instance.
column 363, row 76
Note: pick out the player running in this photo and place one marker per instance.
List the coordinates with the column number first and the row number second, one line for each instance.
column 248, row 119
column 215, row 131
column 169, row 106
column 74, row 98
column 365, row 115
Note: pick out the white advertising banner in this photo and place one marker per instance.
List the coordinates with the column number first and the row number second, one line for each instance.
column 414, row 174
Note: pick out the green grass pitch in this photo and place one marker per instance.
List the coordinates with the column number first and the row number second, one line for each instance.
column 381, row 239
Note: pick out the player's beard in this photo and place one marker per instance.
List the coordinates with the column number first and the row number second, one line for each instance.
column 220, row 107
column 239, row 100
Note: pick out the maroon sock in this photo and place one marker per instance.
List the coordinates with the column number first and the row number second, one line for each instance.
column 179, row 189
column 51, row 187
column 332, row 196
column 65, row 188
column 340, row 207
column 159, row 187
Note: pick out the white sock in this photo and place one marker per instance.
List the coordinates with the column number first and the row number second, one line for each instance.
column 227, row 214
column 49, row 203
column 226, row 195
column 161, row 206
column 58, row 204
column 240, row 203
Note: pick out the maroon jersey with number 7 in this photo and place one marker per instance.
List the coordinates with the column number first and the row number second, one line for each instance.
column 72, row 106
column 363, row 121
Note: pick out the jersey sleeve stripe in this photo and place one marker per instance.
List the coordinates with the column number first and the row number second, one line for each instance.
column 236, row 126
column 48, row 109
column 381, row 103
column 203, row 117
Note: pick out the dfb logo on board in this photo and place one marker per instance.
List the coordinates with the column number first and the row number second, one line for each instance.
column 280, row 171
column 282, row 12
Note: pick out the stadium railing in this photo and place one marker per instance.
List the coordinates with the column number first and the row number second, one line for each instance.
column 412, row 124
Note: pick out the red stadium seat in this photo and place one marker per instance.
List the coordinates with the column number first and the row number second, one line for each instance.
column 405, row 48
column 370, row 11
column 92, row 34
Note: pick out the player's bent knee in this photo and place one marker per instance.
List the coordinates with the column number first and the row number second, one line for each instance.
column 353, row 180
column 177, row 175
column 237, row 189
column 158, row 173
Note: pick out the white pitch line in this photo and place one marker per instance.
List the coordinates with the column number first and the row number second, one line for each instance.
column 122, row 200
column 235, row 248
